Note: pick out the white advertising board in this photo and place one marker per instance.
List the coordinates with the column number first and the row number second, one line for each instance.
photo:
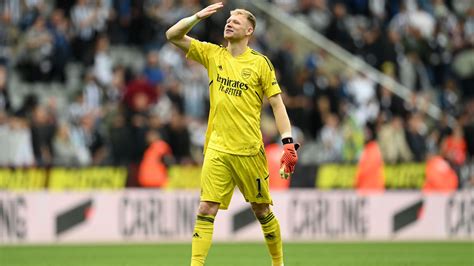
column 304, row 215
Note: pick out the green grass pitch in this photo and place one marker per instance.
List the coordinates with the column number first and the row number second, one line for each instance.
column 248, row 254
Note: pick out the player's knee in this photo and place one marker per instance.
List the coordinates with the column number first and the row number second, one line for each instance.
column 260, row 209
column 208, row 208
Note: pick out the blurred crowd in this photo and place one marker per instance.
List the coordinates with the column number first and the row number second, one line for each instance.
column 118, row 111
column 426, row 45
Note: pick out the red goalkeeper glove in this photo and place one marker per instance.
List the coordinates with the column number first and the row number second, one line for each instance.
column 289, row 158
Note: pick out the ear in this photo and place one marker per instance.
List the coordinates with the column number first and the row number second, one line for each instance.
column 249, row 31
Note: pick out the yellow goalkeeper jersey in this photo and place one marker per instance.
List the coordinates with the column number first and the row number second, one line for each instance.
column 237, row 86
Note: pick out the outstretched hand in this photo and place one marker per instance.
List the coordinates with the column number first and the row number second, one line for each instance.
column 209, row 10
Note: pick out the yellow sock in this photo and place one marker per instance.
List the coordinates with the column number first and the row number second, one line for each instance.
column 202, row 239
column 271, row 231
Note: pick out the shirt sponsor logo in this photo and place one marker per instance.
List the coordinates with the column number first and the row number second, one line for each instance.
column 232, row 83
column 231, row 87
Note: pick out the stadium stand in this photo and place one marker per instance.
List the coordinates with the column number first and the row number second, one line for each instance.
column 93, row 83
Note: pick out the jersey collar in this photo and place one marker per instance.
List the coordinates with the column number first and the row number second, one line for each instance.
column 247, row 51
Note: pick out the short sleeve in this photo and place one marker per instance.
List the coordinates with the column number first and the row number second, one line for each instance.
column 201, row 51
column 269, row 82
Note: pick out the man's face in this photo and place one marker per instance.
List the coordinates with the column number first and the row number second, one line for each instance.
column 237, row 27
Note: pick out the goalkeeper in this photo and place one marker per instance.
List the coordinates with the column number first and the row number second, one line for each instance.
column 239, row 79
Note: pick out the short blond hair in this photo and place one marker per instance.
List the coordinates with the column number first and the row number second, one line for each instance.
column 250, row 17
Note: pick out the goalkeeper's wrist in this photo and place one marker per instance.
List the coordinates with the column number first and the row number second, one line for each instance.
column 192, row 20
column 287, row 140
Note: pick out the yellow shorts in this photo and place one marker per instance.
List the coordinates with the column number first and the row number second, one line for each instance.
column 221, row 172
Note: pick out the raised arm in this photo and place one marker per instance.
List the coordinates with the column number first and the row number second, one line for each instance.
column 177, row 33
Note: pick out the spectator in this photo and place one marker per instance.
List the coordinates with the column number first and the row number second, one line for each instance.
column 90, row 141
column 331, row 139
column 171, row 58
column 338, row 30
column 295, row 100
column 421, row 20
column 284, row 63
column 334, row 93
column 153, row 170
column 415, row 135
column 139, row 94
column 195, row 90
column 176, row 134
column 353, row 135
column 374, row 47
column 119, row 23
column 11, row 11
column 64, row 150
column 10, row 14
column 449, row 98
column 361, row 90
column 463, row 71
column 38, row 48
column 442, row 51
column 174, row 91
column 43, row 128
column 60, row 30
column 103, row 69
column 84, row 17
column 103, row 9
column 393, row 143
column 399, row 21
column 121, row 143
column 390, row 104
column 413, row 72
column 140, row 23
column 115, row 92
column 19, row 146
column 30, row 10
column 152, row 71
column 320, row 110
column 162, row 15
column 30, row 102
column 454, row 147
column 92, row 93
column 77, row 109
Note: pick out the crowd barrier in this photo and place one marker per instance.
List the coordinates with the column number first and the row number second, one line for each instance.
column 60, row 179
column 327, row 176
column 152, row 215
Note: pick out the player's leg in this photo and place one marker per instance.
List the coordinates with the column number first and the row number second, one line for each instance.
column 217, row 187
column 251, row 176
column 271, row 231
column 203, row 230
